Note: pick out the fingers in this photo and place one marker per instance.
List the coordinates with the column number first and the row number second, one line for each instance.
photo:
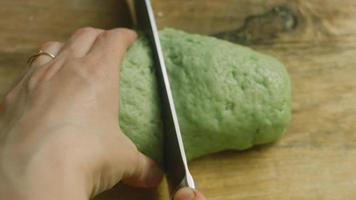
column 188, row 194
column 144, row 173
column 103, row 57
column 40, row 65
column 81, row 41
column 49, row 47
column 111, row 45
column 106, row 49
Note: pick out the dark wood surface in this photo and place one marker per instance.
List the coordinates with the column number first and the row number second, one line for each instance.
column 316, row 40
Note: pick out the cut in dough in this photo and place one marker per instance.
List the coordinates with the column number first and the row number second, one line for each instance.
column 227, row 96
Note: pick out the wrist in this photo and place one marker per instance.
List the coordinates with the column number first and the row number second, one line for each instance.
column 49, row 172
column 44, row 184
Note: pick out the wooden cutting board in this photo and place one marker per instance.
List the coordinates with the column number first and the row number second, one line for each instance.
column 316, row 40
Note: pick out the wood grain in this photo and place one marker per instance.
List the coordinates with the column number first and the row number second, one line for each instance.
column 315, row 39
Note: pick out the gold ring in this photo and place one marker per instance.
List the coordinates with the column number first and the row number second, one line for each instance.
column 39, row 53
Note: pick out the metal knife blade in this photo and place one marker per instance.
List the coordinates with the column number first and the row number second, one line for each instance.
column 176, row 166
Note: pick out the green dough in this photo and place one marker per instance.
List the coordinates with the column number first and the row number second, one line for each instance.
column 227, row 96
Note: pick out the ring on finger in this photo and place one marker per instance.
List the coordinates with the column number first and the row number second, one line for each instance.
column 41, row 52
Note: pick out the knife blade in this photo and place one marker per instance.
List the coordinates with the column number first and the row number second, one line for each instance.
column 176, row 167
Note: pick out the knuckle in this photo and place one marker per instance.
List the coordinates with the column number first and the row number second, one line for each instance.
column 56, row 44
column 125, row 31
column 104, row 35
column 49, row 44
column 121, row 35
column 86, row 30
column 120, row 32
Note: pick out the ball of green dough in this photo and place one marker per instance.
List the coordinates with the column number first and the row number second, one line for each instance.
column 227, row 96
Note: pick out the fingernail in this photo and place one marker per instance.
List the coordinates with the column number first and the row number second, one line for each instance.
column 185, row 194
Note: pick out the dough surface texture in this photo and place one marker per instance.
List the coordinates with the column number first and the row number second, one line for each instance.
column 227, row 97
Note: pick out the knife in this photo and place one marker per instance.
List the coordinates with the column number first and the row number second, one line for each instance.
column 175, row 160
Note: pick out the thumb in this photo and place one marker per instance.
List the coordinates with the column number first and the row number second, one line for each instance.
column 145, row 173
column 188, row 194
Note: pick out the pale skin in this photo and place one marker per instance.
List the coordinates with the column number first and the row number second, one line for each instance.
column 59, row 133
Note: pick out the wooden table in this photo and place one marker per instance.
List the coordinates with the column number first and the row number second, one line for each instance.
column 316, row 39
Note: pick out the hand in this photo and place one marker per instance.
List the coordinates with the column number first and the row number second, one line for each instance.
column 59, row 130
column 59, row 125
